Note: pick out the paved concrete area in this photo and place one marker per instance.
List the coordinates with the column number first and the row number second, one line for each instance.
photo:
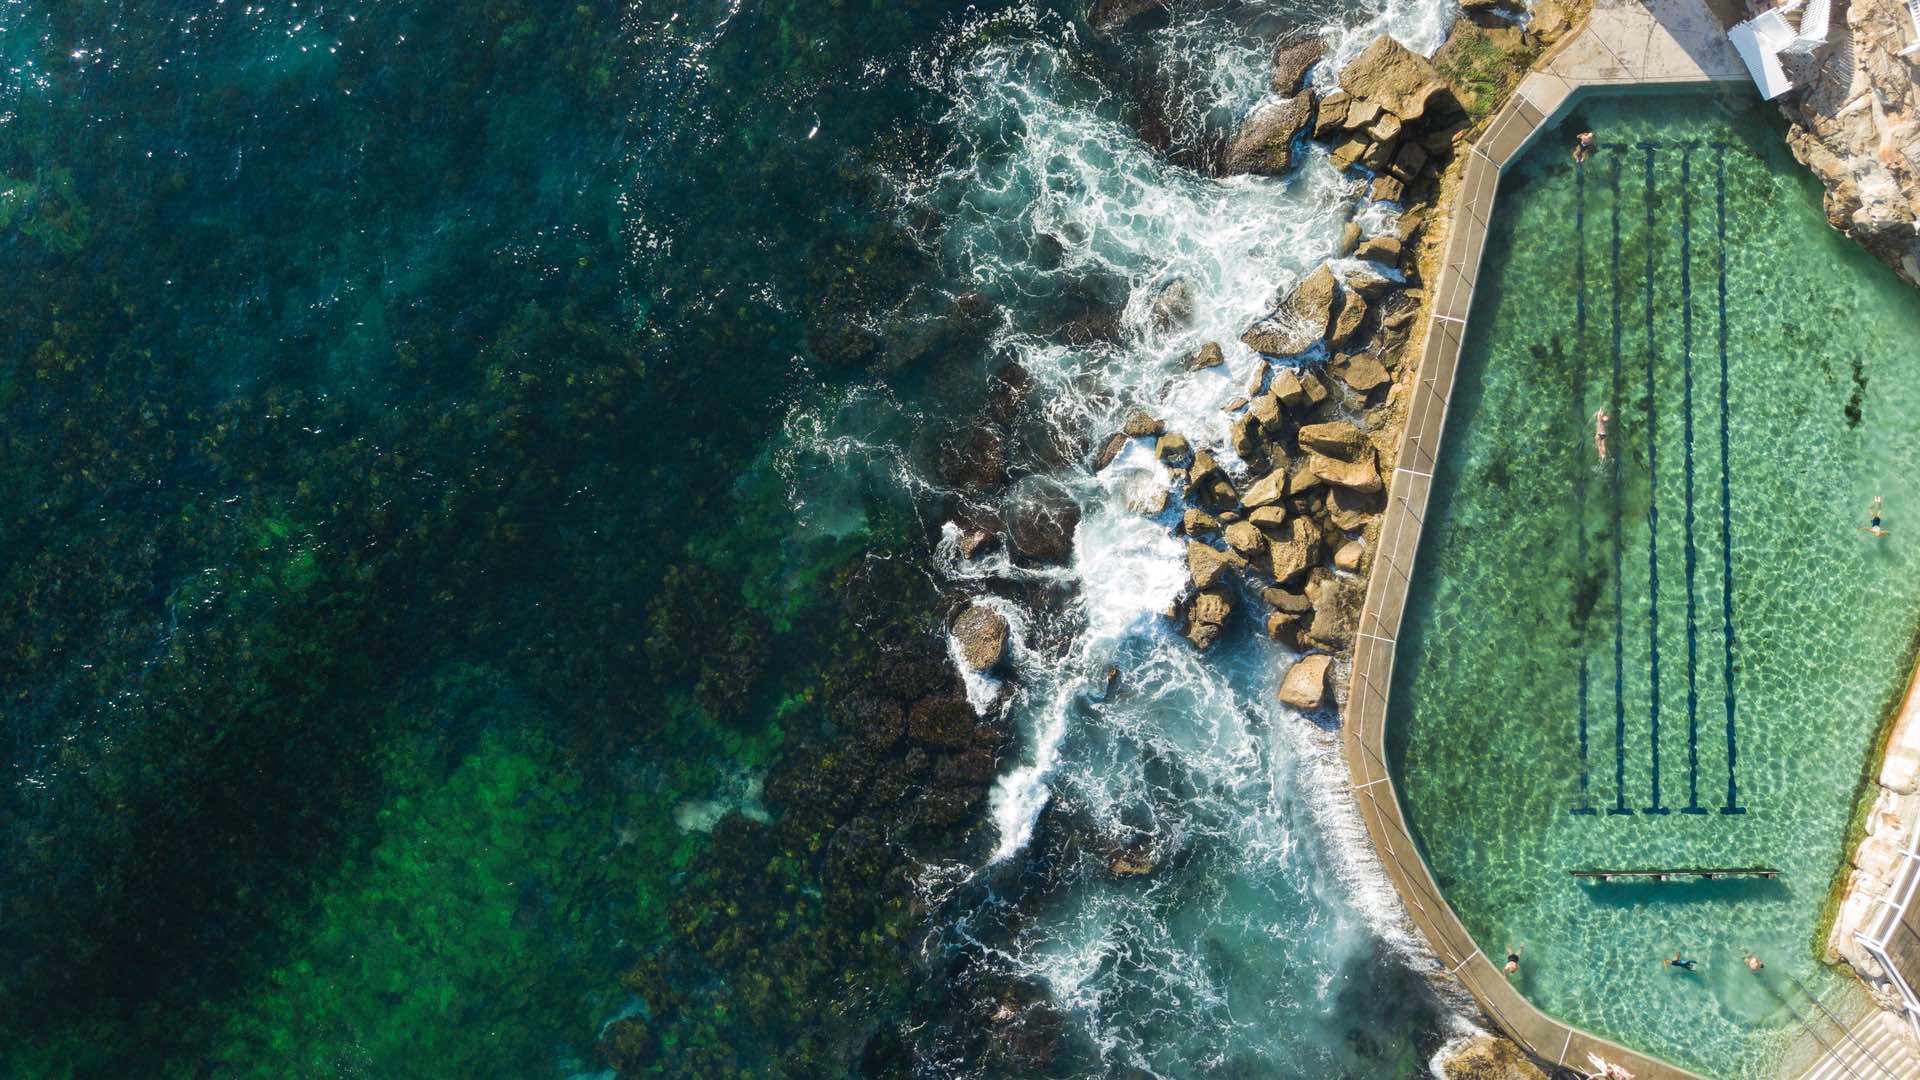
column 1626, row 43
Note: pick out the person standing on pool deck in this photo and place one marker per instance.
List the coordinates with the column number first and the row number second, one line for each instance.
column 1513, row 959
column 1600, row 422
column 1684, row 965
column 1873, row 519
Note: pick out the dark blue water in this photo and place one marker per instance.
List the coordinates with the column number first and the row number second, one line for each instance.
column 472, row 482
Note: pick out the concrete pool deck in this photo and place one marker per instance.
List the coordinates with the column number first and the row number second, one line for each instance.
column 1625, row 43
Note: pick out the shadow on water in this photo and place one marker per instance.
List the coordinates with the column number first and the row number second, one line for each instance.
column 1717, row 891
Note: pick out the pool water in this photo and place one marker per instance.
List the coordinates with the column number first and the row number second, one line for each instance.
column 1680, row 656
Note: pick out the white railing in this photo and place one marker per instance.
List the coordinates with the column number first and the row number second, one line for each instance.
column 1893, row 913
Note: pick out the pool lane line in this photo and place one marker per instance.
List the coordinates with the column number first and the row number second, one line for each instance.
column 1726, row 485
column 1693, row 556
column 1653, row 513
column 1613, row 484
column 1579, row 450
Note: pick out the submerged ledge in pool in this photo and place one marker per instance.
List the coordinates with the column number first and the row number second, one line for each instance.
column 1678, row 655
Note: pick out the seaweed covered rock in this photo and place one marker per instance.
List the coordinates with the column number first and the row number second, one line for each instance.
column 1292, row 59
column 1041, row 519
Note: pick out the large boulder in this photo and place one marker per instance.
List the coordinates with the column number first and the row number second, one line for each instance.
column 1363, row 372
column 1263, row 146
column 1336, row 609
column 1288, row 559
column 1361, row 475
column 1041, row 518
column 1268, row 490
column 1302, row 319
column 1393, row 77
column 1206, row 356
column 1172, row 448
column 1197, row 522
column 1207, row 565
column 1106, row 15
column 1140, row 422
column 1305, row 685
column 982, row 633
column 1206, row 615
column 1336, row 438
column 1298, row 389
column 1292, row 60
column 1172, row 305
column 1246, row 538
column 1347, row 323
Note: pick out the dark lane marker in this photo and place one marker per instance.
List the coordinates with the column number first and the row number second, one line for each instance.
column 1693, row 555
column 1579, row 368
column 1726, row 487
column 1619, row 648
column 1653, row 515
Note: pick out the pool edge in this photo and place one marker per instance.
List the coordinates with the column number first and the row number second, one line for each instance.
column 1623, row 45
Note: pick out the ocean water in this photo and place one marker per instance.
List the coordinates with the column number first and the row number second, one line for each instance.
column 481, row 490
column 1680, row 657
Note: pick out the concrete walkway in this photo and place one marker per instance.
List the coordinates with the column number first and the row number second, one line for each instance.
column 1626, row 43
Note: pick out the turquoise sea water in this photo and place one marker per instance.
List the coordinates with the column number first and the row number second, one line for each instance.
column 1679, row 657
column 474, row 486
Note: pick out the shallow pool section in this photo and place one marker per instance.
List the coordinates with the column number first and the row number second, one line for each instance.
column 1678, row 656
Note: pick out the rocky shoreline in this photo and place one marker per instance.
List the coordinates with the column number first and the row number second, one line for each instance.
column 1855, row 116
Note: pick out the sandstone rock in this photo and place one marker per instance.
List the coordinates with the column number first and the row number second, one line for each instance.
column 1284, row 600
column 1265, row 409
column 1349, row 556
column 1114, row 444
column 1301, row 478
column 1305, row 685
column 1368, row 282
column 1270, row 518
column 1207, row 565
column 1336, row 609
column 1550, row 21
column 1149, row 498
column 982, row 633
column 1263, row 146
column 1396, row 79
column 1209, row 613
column 1384, row 248
column 1041, row 519
column 1266, row 491
column 1332, row 114
column 1235, row 405
column 1291, row 61
column 1360, row 475
column 1385, row 129
column 1198, row 522
column 1349, row 238
column 1257, row 382
column 1336, row 438
column 1348, row 152
column 1352, row 315
column 1348, row 509
column 1302, row 319
column 1288, row 559
column 1490, row 1058
column 1244, row 537
column 1245, row 436
column 1139, row 423
column 1379, row 155
column 1204, row 471
column 1298, row 389
column 975, row 542
column 1284, row 627
column 1361, row 114
column 1208, row 355
column 1172, row 448
column 1172, row 305
column 1363, row 372
column 1386, row 188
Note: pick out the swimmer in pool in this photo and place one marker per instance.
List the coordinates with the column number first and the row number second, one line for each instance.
column 1753, row 963
column 1513, row 959
column 1600, row 422
column 1684, row 965
column 1873, row 519
column 1582, row 147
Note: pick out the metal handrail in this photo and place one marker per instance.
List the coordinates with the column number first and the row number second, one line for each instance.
column 1891, row 919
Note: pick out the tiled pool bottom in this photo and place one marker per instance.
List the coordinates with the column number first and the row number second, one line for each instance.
column 1681, row 657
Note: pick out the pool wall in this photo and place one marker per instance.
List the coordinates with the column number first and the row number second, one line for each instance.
column 1625, row 45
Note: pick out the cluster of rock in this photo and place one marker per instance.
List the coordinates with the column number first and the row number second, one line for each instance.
column 1856, row 124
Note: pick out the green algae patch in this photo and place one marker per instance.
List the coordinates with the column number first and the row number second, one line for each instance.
column 484, row 908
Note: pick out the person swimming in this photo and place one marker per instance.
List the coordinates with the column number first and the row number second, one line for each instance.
column 1600, row 422
column 1582, row 147
column 1873, row 525
column 1754, row 963
column 1684, row 965
column 1513, row 959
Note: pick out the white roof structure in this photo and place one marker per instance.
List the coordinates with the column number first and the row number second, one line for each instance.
column 1762, row 40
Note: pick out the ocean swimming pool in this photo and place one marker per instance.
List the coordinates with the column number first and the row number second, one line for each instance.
column 1681, row 656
